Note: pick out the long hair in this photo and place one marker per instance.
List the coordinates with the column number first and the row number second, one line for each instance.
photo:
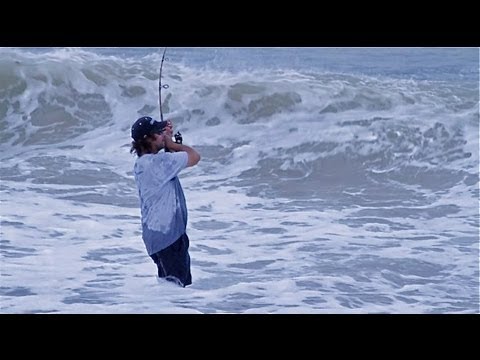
column 143, row 146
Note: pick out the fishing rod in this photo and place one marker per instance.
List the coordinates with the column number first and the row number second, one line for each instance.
column 178, row 136
column 160, row 86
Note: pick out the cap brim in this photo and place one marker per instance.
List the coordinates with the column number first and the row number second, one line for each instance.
column 160, row 125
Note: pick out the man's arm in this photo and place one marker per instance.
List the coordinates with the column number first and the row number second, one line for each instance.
column 193, row 155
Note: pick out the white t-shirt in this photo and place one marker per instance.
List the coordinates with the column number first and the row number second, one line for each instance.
column 163, row 207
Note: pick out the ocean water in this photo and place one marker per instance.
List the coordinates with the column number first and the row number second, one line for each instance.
column 332, row 180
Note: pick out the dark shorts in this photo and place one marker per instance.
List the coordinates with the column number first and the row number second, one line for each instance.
column 173, row 262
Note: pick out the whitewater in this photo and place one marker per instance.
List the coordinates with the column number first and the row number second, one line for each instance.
column 332, row 180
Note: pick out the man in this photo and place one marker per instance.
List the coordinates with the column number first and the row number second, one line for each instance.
column 163, row 207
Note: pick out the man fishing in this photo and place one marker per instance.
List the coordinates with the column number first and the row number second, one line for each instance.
column 163, row 205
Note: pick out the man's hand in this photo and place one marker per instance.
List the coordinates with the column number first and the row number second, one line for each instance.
column 169, row 129
column 193, row 155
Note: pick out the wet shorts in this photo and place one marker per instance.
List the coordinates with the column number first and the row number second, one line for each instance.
column 173, row 262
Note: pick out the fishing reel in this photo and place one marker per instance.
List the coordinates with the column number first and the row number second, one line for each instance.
column 178, row 138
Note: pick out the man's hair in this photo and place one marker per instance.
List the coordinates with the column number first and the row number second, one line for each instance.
column 143, row 146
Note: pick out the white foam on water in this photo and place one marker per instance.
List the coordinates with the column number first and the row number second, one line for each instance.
column 318, row 191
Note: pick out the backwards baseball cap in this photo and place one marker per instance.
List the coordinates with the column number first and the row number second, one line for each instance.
column 146, row 125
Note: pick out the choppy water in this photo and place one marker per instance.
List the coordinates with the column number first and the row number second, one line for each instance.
column 331, row 180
